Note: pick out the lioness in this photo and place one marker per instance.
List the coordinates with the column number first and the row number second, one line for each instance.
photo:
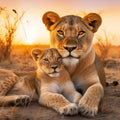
column 73, row 36
column 52, row 86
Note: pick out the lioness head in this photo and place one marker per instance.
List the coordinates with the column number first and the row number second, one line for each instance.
column 72, row 35
column 48, row 61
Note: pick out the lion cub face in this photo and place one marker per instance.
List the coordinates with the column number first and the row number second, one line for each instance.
column 72, row 35
column 48, row 61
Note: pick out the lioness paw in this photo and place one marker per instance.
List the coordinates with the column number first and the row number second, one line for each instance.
column 70, row 109
column 87, row 109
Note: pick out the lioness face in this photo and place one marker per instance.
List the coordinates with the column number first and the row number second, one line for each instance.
column 49, row 61
column 72, row 35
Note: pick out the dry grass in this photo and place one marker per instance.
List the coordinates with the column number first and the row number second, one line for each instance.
column 5, row 54
column 21, row 57
column 10, row 20
column 102, row 48
column 103, row 45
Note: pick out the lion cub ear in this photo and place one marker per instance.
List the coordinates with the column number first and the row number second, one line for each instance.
column 94, row 20
column 49, row 18
column 36, row 53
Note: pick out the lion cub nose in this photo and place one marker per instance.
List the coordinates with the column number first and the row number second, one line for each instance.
column 70, row 49
column 54, row 67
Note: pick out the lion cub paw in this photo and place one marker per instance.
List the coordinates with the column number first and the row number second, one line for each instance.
column 87, row 109
column 70, row 109
column 20, row 100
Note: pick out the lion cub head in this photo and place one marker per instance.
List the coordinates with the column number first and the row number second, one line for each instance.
column 48, row 61
column 72, row 35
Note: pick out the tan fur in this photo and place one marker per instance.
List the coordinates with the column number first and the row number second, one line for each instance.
column 7, row 81
column 15, row 90
column 53, row 82
column 73, row 36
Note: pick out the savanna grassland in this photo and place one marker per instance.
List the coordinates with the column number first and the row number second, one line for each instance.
column 109, row 109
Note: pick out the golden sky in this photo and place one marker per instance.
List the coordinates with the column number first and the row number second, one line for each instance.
column 35, row 31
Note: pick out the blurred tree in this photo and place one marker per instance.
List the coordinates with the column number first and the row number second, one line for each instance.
column 9, row 22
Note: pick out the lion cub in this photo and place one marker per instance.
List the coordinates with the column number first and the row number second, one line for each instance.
column 53, row 82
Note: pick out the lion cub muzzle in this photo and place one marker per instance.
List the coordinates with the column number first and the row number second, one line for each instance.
column 55, row 71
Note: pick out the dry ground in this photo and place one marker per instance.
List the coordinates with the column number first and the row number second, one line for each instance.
column 109, row 108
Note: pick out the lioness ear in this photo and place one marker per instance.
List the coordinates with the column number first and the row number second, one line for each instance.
column 49, row 18
column 94, row 20
column 36, row 53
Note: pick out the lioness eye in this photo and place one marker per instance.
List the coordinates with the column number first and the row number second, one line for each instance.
column 81, row 33
column 60, row 32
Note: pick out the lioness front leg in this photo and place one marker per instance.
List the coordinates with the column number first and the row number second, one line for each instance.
column 58, row 103
column 88, row 104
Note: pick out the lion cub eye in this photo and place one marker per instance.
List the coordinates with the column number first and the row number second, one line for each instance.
column 81, row 33
column 59, row 58
column 60, row 33
column 46, row 60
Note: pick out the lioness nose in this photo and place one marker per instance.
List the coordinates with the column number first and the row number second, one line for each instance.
column 54, row 67
column 70, row 49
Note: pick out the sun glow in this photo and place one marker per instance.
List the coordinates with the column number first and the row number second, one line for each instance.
column 32, row 32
